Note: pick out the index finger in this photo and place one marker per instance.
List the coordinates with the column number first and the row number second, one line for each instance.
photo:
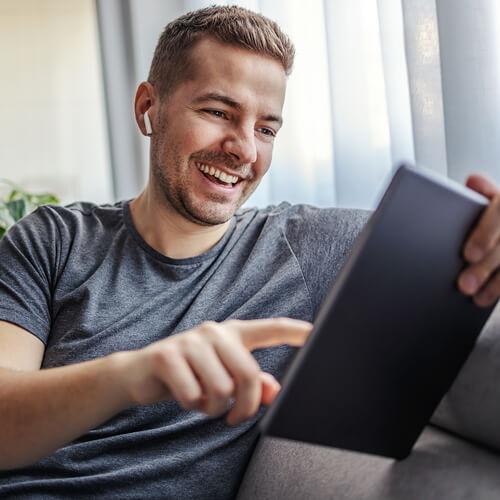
column 258, row 333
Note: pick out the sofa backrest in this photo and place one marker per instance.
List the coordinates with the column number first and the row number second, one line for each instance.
column 471, row 408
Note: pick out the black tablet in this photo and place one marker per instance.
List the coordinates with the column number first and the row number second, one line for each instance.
column 394, row 329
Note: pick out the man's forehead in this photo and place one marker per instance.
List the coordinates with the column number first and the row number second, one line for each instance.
column 208, row 50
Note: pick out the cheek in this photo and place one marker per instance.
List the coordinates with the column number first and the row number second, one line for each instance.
column 265, row 155
column 200, row 136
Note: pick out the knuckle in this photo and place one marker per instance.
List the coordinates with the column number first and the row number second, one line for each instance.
column 232, row 323
column 249, row 374
column 208, row 327
column 188, row 399
column 163, row 357
column 223, row 389
column 219, row 334
column 191, row 340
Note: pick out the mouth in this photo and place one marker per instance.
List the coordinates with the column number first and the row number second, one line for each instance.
column 217, row 176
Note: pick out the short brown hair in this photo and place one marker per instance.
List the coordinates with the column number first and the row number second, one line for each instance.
column 233, row 25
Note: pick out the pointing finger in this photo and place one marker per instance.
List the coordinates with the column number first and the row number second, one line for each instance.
column 270, row 332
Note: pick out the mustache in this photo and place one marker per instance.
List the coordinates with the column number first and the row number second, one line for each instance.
column 221, row 158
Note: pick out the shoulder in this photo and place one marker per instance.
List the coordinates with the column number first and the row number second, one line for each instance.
column 306, row 221
column 53, row 228
column 73, row 218
column 318, row 238
column 82, row 212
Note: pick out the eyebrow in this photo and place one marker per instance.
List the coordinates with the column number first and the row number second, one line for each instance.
column 214, row 96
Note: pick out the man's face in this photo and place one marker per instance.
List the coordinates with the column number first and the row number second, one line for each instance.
column 214, row 133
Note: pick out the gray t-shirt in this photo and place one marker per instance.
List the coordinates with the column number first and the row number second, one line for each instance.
column 82, row 280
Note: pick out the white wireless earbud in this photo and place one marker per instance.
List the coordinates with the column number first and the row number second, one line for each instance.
column 147, row 123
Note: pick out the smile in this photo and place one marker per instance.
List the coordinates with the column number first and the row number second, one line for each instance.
column 222, row 177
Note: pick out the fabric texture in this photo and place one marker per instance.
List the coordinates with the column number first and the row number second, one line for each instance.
column 441, row 466
column 85, row 283
column 471, row 408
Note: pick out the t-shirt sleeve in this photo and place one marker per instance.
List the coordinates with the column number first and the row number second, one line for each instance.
column 321, row 240
column 28, row 263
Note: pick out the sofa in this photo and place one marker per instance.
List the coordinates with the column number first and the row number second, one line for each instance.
column 456, row 457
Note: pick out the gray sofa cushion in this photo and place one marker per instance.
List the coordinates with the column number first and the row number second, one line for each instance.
column 472, row 406
column 440, row 466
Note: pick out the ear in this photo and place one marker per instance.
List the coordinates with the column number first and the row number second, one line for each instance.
column 145, row 99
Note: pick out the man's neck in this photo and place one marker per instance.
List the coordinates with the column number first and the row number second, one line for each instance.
column 170, row 233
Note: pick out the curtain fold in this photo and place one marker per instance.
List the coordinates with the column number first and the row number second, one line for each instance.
column 469, row 39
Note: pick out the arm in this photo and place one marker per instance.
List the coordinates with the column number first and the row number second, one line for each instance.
column 41, row 410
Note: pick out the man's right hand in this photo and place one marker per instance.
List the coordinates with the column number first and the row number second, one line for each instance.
column 202, row 368
column 206, row 367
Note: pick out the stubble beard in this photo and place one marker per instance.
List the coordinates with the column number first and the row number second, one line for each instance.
column 176, row 195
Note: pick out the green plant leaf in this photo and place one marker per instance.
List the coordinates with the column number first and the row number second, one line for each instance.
column 20, row 203
column 15, row 194
column 18, row 208
column 42, row 199
column 6, row 219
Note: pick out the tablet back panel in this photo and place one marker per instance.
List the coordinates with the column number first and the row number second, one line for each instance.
column 393, row 331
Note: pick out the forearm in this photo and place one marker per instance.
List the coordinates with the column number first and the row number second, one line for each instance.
column 40, row 411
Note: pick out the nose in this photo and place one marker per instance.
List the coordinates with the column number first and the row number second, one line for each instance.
column 241, row 145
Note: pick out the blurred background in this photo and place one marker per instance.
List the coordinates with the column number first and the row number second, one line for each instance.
column 374, row 82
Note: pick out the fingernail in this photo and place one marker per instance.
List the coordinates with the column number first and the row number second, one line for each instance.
column 469, row 283
column 474, row 253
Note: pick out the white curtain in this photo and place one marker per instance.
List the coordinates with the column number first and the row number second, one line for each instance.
column 374, row 83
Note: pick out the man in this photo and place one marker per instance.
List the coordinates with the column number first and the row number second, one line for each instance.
column 141, row 314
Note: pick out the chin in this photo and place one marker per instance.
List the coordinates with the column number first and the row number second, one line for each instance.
column 210, row 216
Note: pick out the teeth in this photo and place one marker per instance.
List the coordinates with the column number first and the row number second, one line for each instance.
column 229, row 179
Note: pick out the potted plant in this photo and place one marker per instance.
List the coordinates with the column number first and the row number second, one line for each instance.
column 20, row 203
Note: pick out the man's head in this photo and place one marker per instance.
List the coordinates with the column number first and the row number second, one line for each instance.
column 230, row 25
column 214, row 97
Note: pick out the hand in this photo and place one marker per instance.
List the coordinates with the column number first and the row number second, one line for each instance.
column 481, row 279
column 206, row 366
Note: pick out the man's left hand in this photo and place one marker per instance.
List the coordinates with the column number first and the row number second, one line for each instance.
column 481, row 279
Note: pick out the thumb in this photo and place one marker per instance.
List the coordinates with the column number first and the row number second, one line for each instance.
column 483, row 185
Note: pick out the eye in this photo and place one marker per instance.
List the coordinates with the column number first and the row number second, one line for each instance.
column 267, row 132
column 215, row 112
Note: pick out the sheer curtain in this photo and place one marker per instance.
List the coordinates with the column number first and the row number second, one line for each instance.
column 374, row 83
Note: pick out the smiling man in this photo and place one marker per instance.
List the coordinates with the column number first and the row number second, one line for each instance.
column 212, row 141
column 139, row 341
